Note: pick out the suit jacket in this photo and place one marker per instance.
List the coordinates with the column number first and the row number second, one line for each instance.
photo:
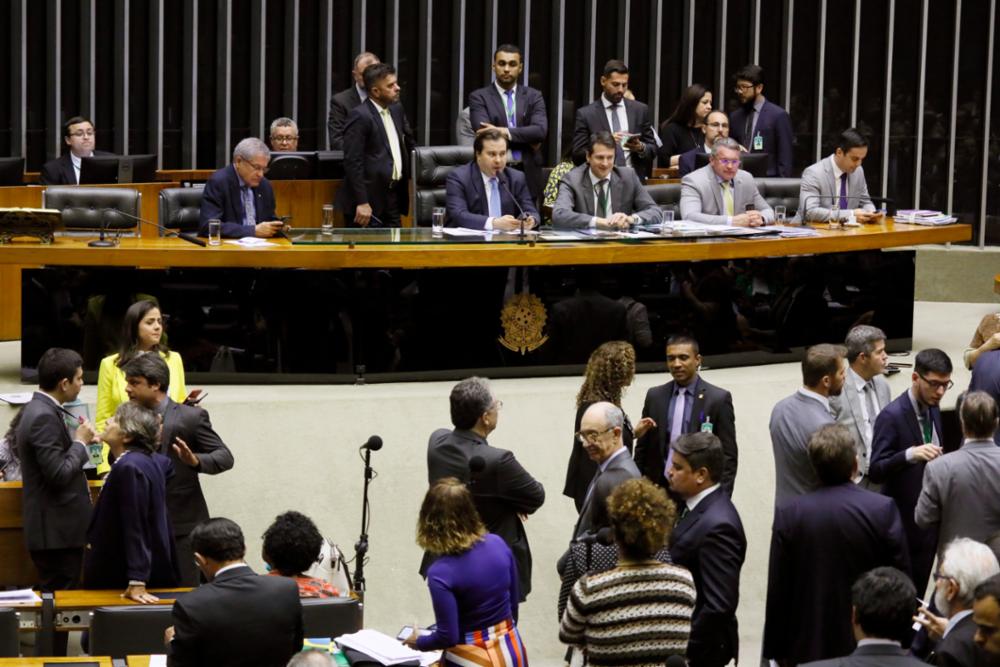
column 960, row 496
column 340, row 105
column 959, row 649
column 594, row 513
column 872, row 655
column 897, row 429
column 574, row 205
column 710, row 542
column 487, row 106
column 501, row 491
column 820, row 544
column 686, row 162
column 701, row 197
column 581, row 468
column 237, row 619
column 185, row 500
column 468, row 201
column 847, row 411
column 793, row 421
column 368, row 162
column 60, row 170
column 464, row 136
column 710, row 403
column 775, row 129
column 221, row 200
column 593, row 118
column 56, row 503
column 986, row 377
column 129, row 538
column 819, row 189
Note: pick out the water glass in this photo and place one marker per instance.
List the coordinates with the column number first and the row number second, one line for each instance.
column 779, row 214
column 835, row 216
column 666, row 216
column 437, row 221
column 326, row 226
column 214, row 232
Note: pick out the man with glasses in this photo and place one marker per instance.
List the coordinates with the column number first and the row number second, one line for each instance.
column 284, row 135
column 504, row 492
column 716, row 127
column 907, row 434
column 720, row 193
column 239, row 196
column 79, row 135
column 761, row 125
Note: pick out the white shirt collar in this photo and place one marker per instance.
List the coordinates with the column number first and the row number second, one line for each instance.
column 837, row 171
column 77, row 161
column 50, row 397
column 503, row 93
column 809, row 393
column 759, row 104
column 608, row 103
column 858, row 381
column 607, row 462
column 875, row 641
column 230, row 567
column 594, row 180
column 954, row 620
column 693, row 501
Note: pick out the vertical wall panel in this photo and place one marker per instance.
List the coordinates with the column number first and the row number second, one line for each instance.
column 223, row 80
column 820, row 79
column 458, row 57
column 953, row 115
column 424, row 68
column 189, row 129
column 987, row 114
column 721, row 40
column 921, row 91
column 359, row 21
column 557, row 74
column 888, row 94
column 291, row 92
column 392, row 32
column 18, row 77
column 656, row 47
column 524, row 35
column 53, row 78
column 88, row 58
column 121, row 80
column 155, row 82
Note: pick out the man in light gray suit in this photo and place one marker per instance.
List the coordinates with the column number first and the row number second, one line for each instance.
column 961, row 490
column 721, row 193
column 838, row 179
column 794, row 419
column 464, row 136
column 866, row 392
column 599, row 195
column 601, row 435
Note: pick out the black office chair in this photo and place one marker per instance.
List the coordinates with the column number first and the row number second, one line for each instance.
column 431, row 165
column 780, row 192
column 9, row 622
column 90, row 209
column 331, row 617
column 132, row 630
column 667, row 195
column 180, row 208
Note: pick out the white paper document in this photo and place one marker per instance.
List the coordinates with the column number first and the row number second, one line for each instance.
column 385, row 649
column 250, row 242
column 21, row 595
column 463, row 231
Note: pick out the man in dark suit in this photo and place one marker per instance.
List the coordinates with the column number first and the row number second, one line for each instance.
column 627, row 120
column 377, row 145
column 517, row 110
column 238, row 618
column 502, row 490
column 189, row 440
column 760, row 125
column 821, row 543
column 486, row 194
column 239, row 196
column 80, row 136
column 343, row 102
column 716, row 127
column 56, row 503
column 688, row 404
column 908, row 434
column 986, row 377
column 882, row 603
column 710, row 542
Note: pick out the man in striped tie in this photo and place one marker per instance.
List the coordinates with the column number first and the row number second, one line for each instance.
column 239, row 196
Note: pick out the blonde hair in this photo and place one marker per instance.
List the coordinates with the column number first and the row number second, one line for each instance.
column 449, row 523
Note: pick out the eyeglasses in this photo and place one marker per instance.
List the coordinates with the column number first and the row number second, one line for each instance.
column 255, row 167
column 935, row 384
column 718, row 125
column 283, row 140
column 82, row 133
column 592, row 436
column 729, row 163
column 740, row 87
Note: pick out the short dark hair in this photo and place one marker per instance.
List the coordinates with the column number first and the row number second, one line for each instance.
column 75, row 120
column 292, row 543
column 57, row 364
column 508, row 48
column 979, row 415
column 821, row 360
column 150, row 366
column 684, row 339
column 602, row 138
column 832, row 454
column 851, row 138
column 862, row 338
column 615, row 66
column 702, row 450
column 752, row 73
column 376, row 72
column 988, row 589
column 932, row 360
column 488, row 135
column 470, row 398
column 884, row 600
column 219, row 539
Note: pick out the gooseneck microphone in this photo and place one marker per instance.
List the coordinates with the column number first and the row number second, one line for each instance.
column 190, row 238
column 523, row 215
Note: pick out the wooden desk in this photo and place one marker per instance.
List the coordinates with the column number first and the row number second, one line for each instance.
column 87, row 600
column 103, row 661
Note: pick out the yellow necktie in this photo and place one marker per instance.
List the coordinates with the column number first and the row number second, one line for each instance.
column 727, row 197
column 397, row 154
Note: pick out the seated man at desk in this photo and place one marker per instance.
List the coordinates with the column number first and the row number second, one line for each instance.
column 720, row 193
column 239, row 196
column 80, row 136
column 284, row 135
column 716, row 126
column 838, row 179
column 486, row 194
column 599, row 195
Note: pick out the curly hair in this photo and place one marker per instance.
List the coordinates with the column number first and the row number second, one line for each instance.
column 610, row 370
column 449, row 523
column 642, row 516
column 292, row 543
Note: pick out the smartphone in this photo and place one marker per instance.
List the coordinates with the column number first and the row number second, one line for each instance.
column 195, row 397
column 407, row 630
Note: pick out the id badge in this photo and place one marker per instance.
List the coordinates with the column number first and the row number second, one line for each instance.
column 706, row 427
column 95, row 451
column 758, row 142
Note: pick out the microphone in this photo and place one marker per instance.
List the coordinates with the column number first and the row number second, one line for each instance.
column 522, row 216
column 190, row 238
column 373, row 444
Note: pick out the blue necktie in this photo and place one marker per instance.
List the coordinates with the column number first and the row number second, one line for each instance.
column 511, row 109
column 843, row 192
column 249, row 212
column 494, row 198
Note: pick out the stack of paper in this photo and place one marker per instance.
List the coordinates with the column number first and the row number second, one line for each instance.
column 924, row 217
column 22, row 595
column 385, row 649
column 787, row 232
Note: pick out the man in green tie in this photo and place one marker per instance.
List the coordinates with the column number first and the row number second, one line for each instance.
column 721, row 193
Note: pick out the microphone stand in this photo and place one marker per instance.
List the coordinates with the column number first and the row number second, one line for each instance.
column 102, row 242
column 520, row 210
column 190, row 238
column 361, row 546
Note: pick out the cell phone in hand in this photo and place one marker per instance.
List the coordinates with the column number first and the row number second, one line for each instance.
column 195, row 397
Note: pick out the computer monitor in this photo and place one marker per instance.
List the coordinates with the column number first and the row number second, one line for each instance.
column 331, row 164
column 755, row 163
column 292, row 165
column 101, row 169
column 11, row 171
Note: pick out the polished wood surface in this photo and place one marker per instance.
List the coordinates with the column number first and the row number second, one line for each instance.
column 103, row 661
column 82, row 599
column 303, row 200
column 10, row 303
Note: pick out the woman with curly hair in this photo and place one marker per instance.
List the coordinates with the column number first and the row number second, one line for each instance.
column 682, row 131
column 291, row 546
column 473, row 583
column 638, row 613
column 610, row 370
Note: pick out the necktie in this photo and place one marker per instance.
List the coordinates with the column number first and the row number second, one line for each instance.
column 928, row 426
column 676, row 424
column 602, row 198
column 748, row 129
column 590, row 489
column 843, row 192
column 510, row 105
column 683, row 513
column 494, row 198
column 871, row 402
column 727, row 198
column 397, row 154
column 249, row 212
column 616, row 126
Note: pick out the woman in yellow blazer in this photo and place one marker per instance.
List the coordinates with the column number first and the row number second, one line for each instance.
column 142, row 331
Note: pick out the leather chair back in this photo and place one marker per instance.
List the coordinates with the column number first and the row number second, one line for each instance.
column 9, row 643
column 667, row 195
column 180, row 208
column 132, row 630
column 93, row 208
column 780, row 192
column 431, row 165
column 330, row 617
